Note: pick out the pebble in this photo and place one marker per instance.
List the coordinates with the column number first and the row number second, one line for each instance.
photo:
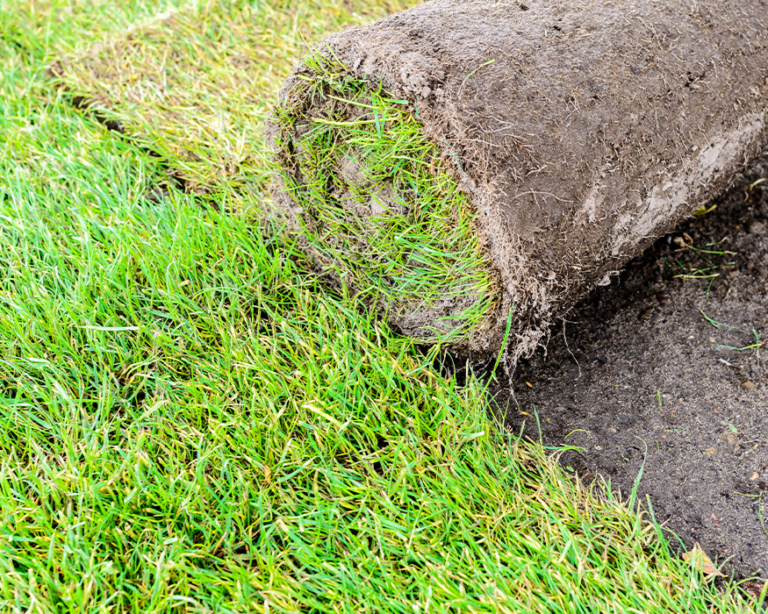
column 748, row 386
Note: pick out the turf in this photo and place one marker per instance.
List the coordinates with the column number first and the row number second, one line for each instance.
column 228, row 58
column 191, row 420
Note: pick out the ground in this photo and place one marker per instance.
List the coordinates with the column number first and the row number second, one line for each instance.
column 644, row 378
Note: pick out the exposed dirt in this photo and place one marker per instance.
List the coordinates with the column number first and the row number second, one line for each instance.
column 638, row 373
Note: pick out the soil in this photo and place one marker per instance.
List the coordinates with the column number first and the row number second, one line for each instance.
column 643, row 374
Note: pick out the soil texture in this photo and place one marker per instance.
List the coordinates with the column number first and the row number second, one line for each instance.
column 666, row 370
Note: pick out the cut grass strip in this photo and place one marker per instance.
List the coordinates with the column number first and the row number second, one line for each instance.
column 378, row 206
column 196, row 86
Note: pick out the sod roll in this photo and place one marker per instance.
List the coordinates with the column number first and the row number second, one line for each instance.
column 475, row 167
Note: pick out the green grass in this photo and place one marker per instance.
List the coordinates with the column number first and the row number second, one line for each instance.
column 191, row 421
column 227, row 58
column 378, row 206
column 206, row 113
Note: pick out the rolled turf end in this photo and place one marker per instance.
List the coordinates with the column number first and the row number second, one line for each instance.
column 379, row 208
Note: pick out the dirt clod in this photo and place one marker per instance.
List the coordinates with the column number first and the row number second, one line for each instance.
column 752, row 588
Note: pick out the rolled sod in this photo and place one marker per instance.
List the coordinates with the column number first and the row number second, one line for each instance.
column 473, row 168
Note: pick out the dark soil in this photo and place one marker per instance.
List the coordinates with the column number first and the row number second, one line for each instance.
column 637, row 373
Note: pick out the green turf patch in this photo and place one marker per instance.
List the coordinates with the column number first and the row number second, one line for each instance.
column 196, row 85
column 379, row 207
column 36, row 31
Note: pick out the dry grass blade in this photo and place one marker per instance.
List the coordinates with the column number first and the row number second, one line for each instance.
column 699, row 560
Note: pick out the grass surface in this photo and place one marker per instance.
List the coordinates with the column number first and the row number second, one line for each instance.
column 190, row 421
column 195, row 85
column 379, row 207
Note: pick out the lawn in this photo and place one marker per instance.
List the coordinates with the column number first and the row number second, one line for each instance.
column 193, row 419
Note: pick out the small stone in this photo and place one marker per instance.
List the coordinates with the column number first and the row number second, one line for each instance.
column 731, row 439
column 748, row 386
column 755, row 475
column 758, row 228
column 711, row 339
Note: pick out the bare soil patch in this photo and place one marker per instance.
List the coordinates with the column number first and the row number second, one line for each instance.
column 644, row 371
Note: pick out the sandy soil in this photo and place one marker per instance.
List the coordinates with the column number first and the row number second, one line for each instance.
column 644, row 371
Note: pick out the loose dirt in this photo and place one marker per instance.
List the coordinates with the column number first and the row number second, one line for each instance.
column 644, row 372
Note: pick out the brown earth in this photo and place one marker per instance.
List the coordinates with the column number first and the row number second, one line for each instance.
column 637, row 373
